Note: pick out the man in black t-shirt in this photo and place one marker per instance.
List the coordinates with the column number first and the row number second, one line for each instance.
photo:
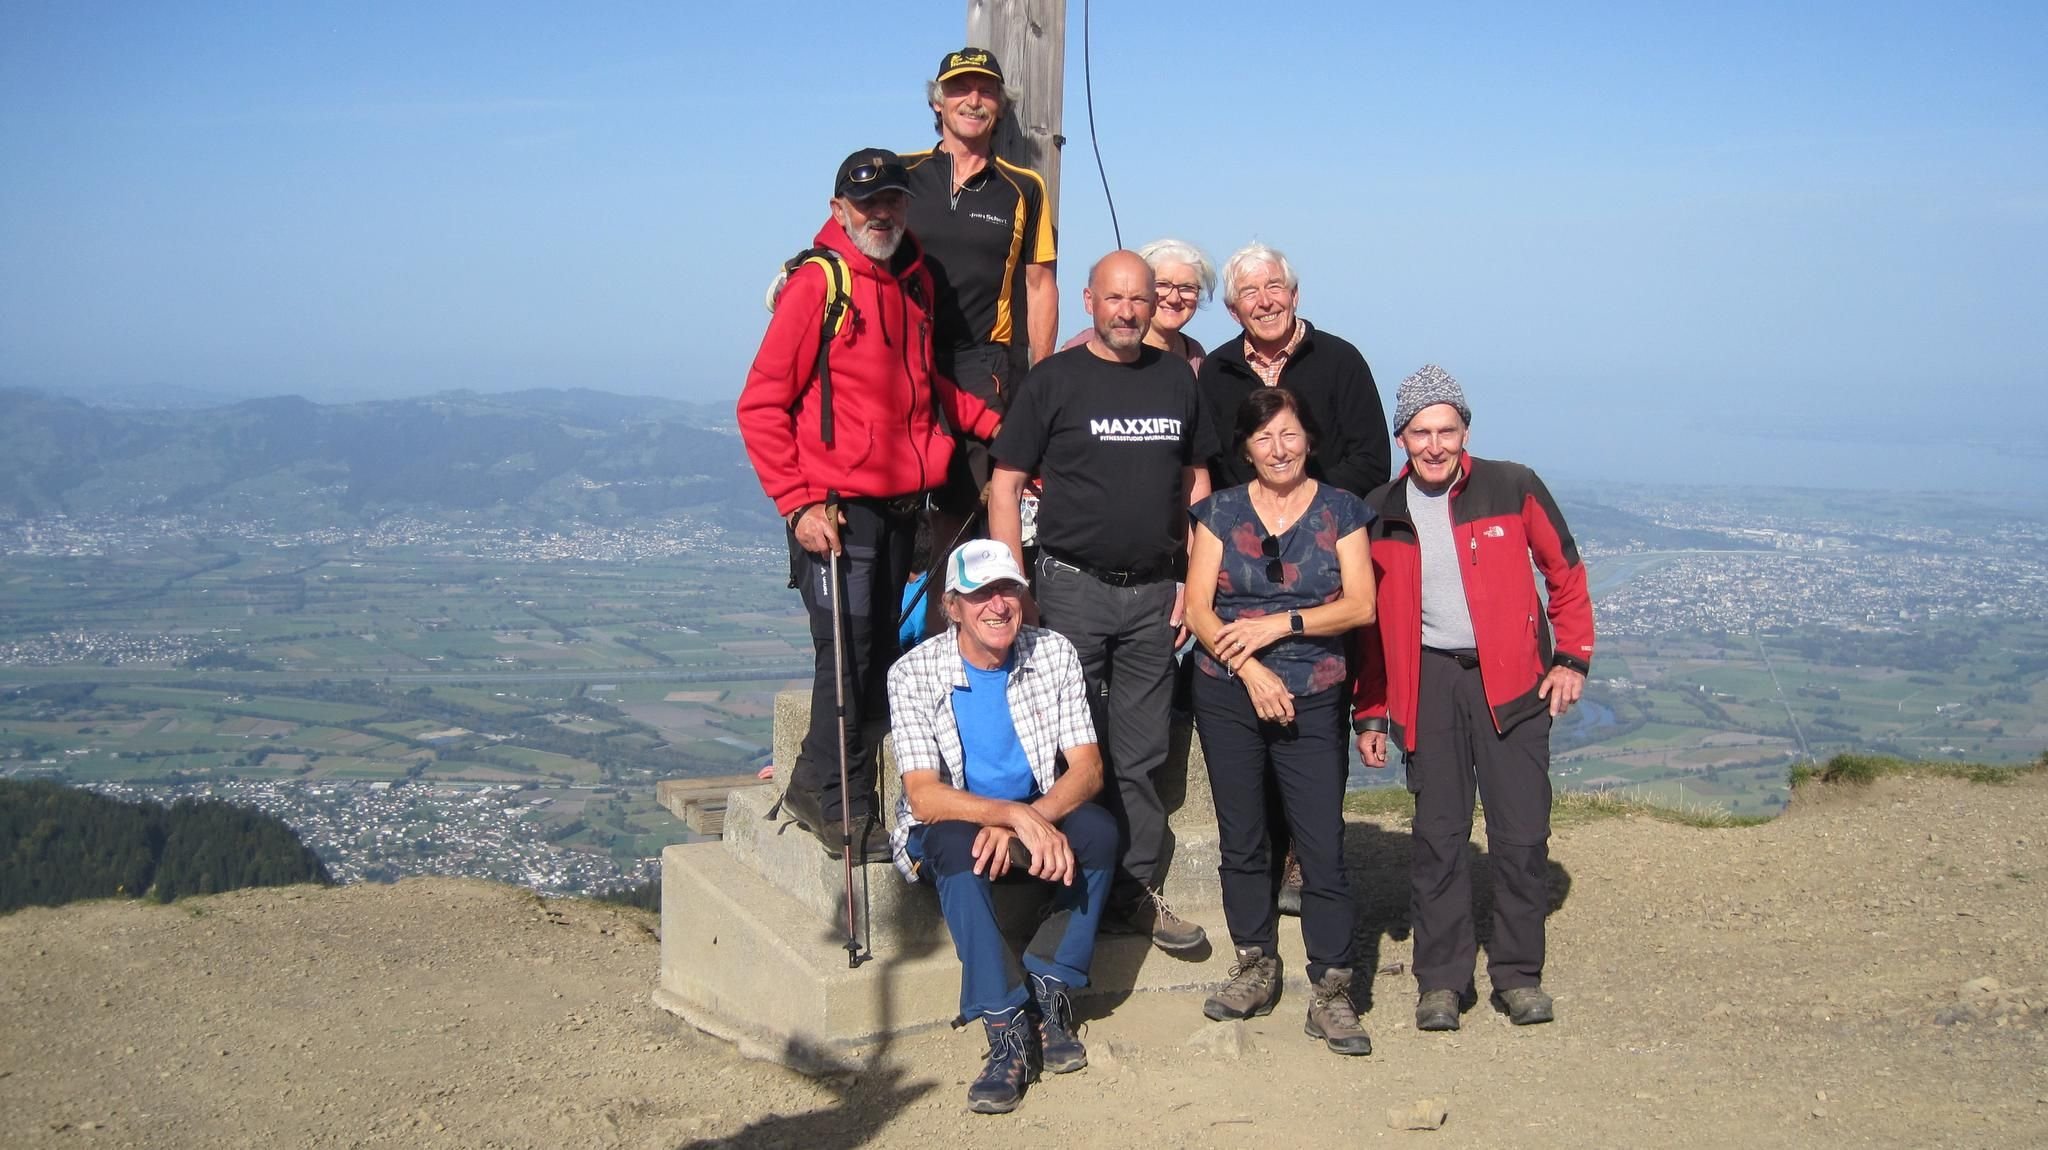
column 1119, row 436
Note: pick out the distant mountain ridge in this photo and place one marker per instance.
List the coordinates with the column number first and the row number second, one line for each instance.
column 531, row 454
column 520, row 457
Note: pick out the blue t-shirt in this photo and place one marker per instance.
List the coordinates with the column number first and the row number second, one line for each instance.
column 1306, row 563
column 996, row 765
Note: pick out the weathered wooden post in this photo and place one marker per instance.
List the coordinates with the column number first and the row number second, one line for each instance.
column 1030, row 38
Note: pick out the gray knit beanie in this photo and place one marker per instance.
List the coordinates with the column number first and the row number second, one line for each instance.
column 1426, row 388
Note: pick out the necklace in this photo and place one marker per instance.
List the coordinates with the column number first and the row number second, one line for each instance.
column 1282, row 517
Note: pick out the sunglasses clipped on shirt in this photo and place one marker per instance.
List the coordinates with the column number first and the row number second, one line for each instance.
column 1276, row 571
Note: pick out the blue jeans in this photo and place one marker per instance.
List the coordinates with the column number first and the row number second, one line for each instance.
column 1064, row 945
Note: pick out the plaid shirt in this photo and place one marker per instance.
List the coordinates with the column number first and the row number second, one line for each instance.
column 1048, row 705
column 1269, row 367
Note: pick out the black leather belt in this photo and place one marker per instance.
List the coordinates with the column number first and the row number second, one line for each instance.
column 1135, row 577
column 1465, row 656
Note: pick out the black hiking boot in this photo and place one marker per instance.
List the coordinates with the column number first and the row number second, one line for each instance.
column 1524, row 1005
column 1060, row 1050
column 1437, row 1010
column 1012, row 1062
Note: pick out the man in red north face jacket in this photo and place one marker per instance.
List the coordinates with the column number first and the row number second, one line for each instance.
column 1467, row 671
column 847, row 464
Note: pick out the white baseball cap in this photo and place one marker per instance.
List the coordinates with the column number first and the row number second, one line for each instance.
column 980, row 562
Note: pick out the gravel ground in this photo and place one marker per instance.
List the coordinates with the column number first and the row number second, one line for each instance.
column 1868, row 970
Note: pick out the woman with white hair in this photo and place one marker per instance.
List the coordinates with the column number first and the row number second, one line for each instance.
column 1183, row 277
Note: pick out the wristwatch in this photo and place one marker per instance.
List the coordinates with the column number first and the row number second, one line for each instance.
column 1295, row 624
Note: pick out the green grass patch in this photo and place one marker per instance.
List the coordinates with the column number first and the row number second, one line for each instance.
column 1571, row 807
column 1862, row 770
column 1380, row 802
column 1566, row 808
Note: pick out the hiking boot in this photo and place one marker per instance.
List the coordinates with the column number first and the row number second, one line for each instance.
column 1332, row 1017
column 1253, row 988
column 870, row 838
column 1290, row 886
column 1059, row 1048
column 1012, row 1062
column 1152, row 915
column 1524, row 1005
column 1437, row 1010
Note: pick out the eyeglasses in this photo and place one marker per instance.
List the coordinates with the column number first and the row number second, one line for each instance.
column 864, row 173
column 1276, row 571
column 1190, row 291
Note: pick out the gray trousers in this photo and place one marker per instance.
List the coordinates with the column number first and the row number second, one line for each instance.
column 1126, row 652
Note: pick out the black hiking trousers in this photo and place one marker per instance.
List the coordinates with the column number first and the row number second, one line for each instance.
column 1456, row 747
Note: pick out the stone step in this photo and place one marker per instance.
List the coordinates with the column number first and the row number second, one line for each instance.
column 891, row 913
column 745, row 961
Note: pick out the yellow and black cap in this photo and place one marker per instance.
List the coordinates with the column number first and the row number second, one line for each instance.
column 869, row 172
column 970, row 60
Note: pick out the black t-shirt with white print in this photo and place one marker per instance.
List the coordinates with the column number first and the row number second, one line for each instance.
column 1109, row 441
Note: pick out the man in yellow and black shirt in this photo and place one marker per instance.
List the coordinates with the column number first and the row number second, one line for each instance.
column 987, row 230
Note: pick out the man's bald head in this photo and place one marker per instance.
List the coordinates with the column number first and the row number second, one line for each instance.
column 1120, row 298
column 1120, row 262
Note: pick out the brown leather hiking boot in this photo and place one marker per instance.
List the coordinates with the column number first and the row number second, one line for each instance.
column 1253, row 988
column 1152, row 915
column 1290, row 886
column 1332, row 1017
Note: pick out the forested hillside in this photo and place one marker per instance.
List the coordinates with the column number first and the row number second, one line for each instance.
column 59, row 844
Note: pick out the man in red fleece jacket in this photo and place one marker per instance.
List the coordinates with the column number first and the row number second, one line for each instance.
column 1466, row 672
column 847, row 458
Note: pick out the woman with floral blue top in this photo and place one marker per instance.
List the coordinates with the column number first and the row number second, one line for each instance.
column 1278, row 577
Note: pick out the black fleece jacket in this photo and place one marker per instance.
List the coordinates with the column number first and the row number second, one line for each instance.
column 1332, row 380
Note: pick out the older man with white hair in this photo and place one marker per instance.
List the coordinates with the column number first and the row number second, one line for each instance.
column 1278, row 348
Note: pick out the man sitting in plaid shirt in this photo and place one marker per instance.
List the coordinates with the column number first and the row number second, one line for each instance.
column 979, row 716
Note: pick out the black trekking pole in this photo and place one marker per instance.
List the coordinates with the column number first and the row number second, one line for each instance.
column 853, row 949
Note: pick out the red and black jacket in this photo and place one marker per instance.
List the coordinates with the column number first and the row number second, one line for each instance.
column 1502, row 516
column 887, row 440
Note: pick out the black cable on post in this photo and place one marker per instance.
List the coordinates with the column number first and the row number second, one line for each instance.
column 1088, row 86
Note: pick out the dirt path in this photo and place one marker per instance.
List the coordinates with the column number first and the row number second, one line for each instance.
column 1795, row 984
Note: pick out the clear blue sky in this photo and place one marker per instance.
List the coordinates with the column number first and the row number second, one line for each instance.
column 1736, row 242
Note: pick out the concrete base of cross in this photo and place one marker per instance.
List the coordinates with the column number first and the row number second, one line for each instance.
column 754, row 927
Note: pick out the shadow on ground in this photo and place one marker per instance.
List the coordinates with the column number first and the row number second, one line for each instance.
column 864, row 1099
